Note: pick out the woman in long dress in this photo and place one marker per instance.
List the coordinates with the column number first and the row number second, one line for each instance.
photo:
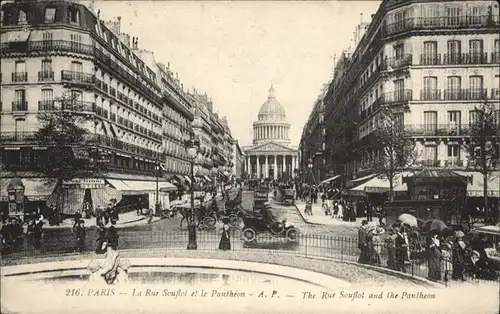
column 434, row 254
column 225, row 242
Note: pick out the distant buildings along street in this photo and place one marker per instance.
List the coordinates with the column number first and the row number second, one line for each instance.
column 140, row 112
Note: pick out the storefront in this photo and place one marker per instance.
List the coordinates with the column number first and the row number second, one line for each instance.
column 141, row 193
column 36, row 193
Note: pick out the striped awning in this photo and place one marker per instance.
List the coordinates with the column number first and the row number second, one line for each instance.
column 35, row 189
column 135, row 187
column 330, row 179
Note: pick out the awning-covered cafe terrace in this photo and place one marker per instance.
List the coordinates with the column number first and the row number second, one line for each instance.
column 376, row 188
column 68, row 196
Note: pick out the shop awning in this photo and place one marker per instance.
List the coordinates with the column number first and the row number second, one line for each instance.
column 475, row 189
column 17, row 37
column 330, row 179
column 179, row 178
column 381, row 185
column 207, row 178
column 188, row 179
column 132, row 187
column 35, row 189
column 72, row 200
column 357, row 181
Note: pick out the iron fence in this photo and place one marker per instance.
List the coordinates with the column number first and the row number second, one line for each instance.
column 344, row 249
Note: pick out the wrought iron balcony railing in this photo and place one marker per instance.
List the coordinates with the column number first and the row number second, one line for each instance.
column 19, row 105
column 430, row 59
column 466, row 94
column 465, row 58
column 45, row 76
column 400, row 62
column 430, row 94
column 399, row 96
column 450, row 129
column 19, row 77
column 441, row 22
column 78, row 77
column 80, row 106
column 495, row 57
column 16, row 136
column 46, row 105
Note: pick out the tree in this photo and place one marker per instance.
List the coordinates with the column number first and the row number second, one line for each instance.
column 396, row 151
column 64, row 134
column 482, row 144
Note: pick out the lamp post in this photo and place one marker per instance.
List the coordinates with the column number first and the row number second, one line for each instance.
column 192, row 148
column 157, row 201
column 310, row 166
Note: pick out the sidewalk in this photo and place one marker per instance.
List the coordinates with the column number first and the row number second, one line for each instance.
column 319, row 218
column 129, row 219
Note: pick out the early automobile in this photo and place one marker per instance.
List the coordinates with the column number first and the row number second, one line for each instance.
column 262, row 222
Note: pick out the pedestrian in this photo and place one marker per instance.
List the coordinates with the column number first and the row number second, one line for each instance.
column 369, row 212
column 78, row 217
column 225, row 242
column 80, row 233
column 434, row 255
column 98, row 216
column 112, row 235
column 37, row 234
column 402, row 247
column 364, row 256
column 458, row 257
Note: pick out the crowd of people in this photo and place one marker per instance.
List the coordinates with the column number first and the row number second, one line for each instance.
column 445, row 255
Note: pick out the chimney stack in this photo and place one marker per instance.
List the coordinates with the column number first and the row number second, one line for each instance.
column 361, row 17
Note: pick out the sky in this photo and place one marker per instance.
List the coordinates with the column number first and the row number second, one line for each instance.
column 234, row 51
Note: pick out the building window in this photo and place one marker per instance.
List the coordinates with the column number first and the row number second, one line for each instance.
column 76, row 67
column 453, row 155
column 454, row 121
column 430, row 91
column 476, row 87
column 74, row 15
column 430, row 153
column 22, row 17
column 453, row 15
column 473, row 116
column 430, row 52
column 20, row 127
column 50, row 15
column 20, row 67
column 430, row 120
column 453, row 55
column 399, row 51
column 47, row 102
column 476, row 14
column 46, row 72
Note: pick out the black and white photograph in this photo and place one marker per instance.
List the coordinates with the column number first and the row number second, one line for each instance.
column 246, row 156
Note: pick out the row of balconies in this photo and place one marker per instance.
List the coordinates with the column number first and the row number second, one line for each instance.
column 459, row 94
column 86, row 106
column 128, row 102
column 459, row 58
column 441, row 22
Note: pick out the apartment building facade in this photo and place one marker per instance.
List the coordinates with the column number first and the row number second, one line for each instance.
column 140, row 115
column 313, row 141
column 433, row 62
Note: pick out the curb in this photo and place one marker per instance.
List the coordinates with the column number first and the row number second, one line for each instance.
column 123, row 225
column 304, row 218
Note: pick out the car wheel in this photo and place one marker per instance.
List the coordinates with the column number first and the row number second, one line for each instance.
column 292, row 234
column 209, row 221
column 248, row 235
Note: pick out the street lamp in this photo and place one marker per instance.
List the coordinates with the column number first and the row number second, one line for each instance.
column 157, row 201
column 310, row 165
column 192, row 149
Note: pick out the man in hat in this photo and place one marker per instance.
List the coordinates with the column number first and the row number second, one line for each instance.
column 364, row 256
column 112, row 235
column 80, row 233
